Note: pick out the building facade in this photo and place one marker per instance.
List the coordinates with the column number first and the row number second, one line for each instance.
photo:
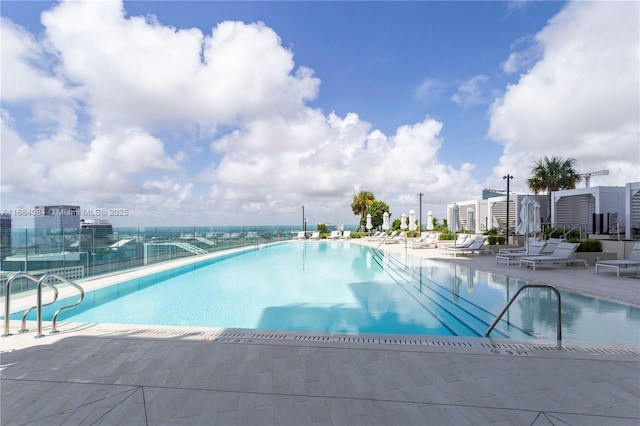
column 5, row 236
column 57, row 218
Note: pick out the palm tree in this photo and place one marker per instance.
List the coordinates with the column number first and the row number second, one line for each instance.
column 553, row 174
column 360, row 203
column 376, row 209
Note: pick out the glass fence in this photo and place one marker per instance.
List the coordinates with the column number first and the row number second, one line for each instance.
column 80, row 253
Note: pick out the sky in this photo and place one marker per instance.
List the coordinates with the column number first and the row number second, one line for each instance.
column 210, row 113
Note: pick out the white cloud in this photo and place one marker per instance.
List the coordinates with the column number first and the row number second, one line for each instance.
column 27, row 77
column 117, row 95
column 134, row 79
column 514, row 5
column 138, row 72
column 580, row 99
column 22, row 58
column 18, row 165
column 526, row 52
column 331, row 158
column 57, row 168
column 470, row 92
column 428, row 90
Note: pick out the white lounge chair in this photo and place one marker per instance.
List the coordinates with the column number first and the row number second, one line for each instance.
column 346, row 235
column 300, row 236
column 564, row 253
column 535, row 249
column 459, row 242
column 552, row 244
column 428, row 241
column 474, row 247
column 383, row 236
column 376, row 237
column 315, row 236
column 632, row 260
column 549, row 247
column 394, row 239
column 335, row 235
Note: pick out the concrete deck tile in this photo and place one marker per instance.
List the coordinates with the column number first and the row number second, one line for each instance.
column 584, row 420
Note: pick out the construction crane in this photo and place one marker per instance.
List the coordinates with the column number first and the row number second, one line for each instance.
column 587, row 176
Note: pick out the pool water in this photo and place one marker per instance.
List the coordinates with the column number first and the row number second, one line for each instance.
column 335, row 286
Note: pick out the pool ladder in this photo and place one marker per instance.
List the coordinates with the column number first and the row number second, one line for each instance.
column 504, row 310
column 261, row 241
column 38, row 307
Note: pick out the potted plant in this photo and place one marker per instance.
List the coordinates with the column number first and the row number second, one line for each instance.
column 492, row 236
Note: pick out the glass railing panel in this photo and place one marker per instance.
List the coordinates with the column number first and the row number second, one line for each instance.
column 80, row 253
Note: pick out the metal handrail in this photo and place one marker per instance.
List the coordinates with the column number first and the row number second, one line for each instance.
column 261, row 240
column 382, row 242
column 24, row 328
column 577, row 226
column 504, row 310
column 7, row 297
column 55, row 316
column 40, row 282
column 386, row 237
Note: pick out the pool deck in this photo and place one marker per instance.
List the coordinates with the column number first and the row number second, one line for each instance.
column 143, row 375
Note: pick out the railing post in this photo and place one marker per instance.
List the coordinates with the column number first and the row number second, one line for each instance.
column 7, row 297
column 39, row 306
column 7, row 302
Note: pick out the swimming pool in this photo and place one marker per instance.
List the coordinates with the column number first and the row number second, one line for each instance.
column 334, row 286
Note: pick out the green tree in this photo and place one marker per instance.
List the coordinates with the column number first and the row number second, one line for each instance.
column 553, row 174
column 360, row 203
column 376, row 209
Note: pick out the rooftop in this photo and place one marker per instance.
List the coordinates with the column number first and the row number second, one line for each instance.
column 112, row 374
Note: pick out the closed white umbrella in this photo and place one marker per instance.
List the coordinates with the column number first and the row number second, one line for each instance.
column 537, row 225
column 412, row 220
column 523, row 225
column 528, row 223
column 470, row 221
column 403, row 221
column 454, row 221
column 385, row 221
column 430, row 221
column 369, row 225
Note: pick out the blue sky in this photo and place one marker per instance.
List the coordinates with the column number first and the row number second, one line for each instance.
column 214, row 113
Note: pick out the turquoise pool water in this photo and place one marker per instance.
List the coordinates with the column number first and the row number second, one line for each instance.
column 334, row 286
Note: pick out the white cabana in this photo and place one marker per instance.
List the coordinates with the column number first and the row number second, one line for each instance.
column 596, row 210
column 632, row 211
column 477, row 221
